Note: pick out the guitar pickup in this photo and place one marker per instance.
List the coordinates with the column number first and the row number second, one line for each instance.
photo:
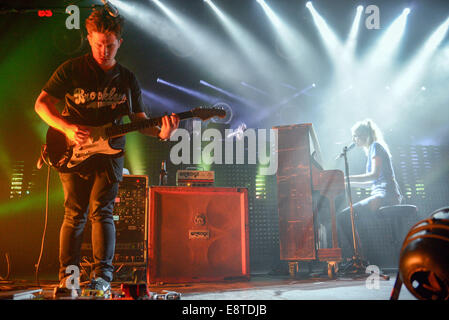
column 79, row 155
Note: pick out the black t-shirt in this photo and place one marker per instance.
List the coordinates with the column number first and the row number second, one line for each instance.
column 94, row 97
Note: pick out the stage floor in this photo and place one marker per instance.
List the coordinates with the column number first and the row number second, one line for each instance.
column 259, row 287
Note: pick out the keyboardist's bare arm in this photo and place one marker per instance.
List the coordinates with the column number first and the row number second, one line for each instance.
column 365, row 180
column 363, row 185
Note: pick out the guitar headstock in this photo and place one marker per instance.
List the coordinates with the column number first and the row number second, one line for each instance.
column 207, row 113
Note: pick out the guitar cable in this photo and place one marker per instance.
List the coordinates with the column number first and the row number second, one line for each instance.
column 42, row 159
column 6, row 278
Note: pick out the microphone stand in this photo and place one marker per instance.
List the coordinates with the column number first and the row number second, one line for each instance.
column 357, row 265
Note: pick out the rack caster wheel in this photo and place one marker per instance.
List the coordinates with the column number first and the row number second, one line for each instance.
column 293, row 269
column 332, row 269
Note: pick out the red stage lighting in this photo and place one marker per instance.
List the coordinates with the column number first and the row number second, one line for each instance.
column 44, row 13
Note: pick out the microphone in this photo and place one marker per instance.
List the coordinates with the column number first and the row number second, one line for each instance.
column 113, row 11
column 345, row 149
column 238, row 132
column 350, row 147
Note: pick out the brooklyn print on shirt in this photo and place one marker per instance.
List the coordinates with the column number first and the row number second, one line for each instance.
column 107, row 97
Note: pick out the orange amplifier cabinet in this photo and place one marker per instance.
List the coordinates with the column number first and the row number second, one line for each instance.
column 197, row 234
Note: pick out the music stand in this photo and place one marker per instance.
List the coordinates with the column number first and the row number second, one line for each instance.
column 357, row 265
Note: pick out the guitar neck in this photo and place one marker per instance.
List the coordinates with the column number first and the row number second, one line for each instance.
column 122, row 129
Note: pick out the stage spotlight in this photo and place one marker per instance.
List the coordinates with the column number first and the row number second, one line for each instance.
column 255, row 53
column 350, row 44
column 382, row 55
column 265, row 113
column 218, row 12
column 254, row 88
column 330, row 39
column 170, row 14
column 289, row 86
column 308, row 4
column 150, row 22
column 406, row 11
column 194, row 93
column 229, row 94
column 209, row 47
column 292, row 45
column 436, row 38
column 166, row 103
column 417, row 65
column 294, row 96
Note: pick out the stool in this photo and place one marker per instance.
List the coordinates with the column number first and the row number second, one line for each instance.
column 398, row 215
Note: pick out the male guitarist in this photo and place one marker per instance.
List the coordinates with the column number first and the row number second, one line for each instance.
column 97, row 90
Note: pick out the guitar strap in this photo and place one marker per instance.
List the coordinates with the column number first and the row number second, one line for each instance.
column 109, row 170
column 130, row 101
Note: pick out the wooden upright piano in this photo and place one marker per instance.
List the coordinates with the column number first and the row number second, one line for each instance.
column 303, row 189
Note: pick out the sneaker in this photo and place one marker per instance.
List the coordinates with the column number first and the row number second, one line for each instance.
column 98, row 287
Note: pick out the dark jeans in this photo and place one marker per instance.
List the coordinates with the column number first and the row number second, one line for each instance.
column 91, row 194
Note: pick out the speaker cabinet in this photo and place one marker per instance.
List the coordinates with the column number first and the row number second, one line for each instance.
column 197, row 234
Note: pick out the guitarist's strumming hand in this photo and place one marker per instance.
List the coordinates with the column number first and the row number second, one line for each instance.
column 169, row 125
column 77, row 133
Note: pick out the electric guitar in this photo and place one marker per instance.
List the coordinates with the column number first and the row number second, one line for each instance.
column 65, row 155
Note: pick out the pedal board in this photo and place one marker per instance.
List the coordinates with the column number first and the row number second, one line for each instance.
column 95, row 294
column 20, row 294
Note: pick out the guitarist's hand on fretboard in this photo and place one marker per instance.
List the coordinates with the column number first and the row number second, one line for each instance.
column 169, row 125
